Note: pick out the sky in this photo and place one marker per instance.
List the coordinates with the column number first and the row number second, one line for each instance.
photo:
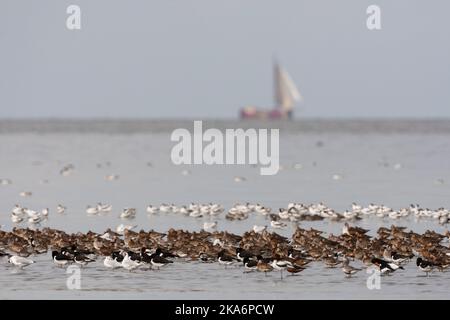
column 208, row 58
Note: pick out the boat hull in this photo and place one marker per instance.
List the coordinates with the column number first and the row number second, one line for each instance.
column 275, row 114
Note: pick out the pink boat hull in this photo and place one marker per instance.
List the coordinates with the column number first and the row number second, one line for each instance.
column 275, row 114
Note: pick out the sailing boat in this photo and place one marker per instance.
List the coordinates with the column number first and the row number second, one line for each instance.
column 286, row 96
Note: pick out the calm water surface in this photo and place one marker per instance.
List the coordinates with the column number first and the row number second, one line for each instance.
column 390, row 164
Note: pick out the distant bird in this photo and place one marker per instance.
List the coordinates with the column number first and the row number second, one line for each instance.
column 425, row 266
column 60, row 209
column 225, row 259
column 4, row 254
column 356, row 207
column 204, row 257
column 128, row 213
column 151, row 209
column 18, row 210
column 281, row 265
column 109, row 235
column 295, row 269
column 399, row 259
column 331, row 262
column 295, row 254
column 210, row 226
column 15, row 218
column 164, row 208
column 218, row 242
column 277, row 224
column 92, row 210
column 158, row 261
column 26, row 194
column 348, row 269
column 61, row 259
column 81, row 259
column 67, row 170
column 36, row 219
column 5, row 182
column 112, row 262
column 104, row 207
column 241, row 254
column 121, row 228
column 386, row 267
column 20, row 262
column 348, row 230
column 128, row 263
column 263, row 266
column 259, row 229
column 112, row 177
column 31, row 213
column 250, row 265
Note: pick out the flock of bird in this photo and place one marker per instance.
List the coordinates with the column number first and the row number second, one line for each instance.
column 389, row 251
column 293, row 213
column 256, row 250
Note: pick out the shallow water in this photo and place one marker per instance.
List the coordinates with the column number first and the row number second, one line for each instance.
column 366, row 160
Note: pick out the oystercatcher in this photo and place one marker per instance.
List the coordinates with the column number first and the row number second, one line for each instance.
column 424, row 265
column 386, row 267
column 225, row 259
column 250, row 265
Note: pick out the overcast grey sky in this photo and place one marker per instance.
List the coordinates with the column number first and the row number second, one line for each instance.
column 204, row 58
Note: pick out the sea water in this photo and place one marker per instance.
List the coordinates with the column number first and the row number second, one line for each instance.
column 336, row 162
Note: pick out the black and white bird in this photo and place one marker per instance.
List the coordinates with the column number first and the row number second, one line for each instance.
column 385, row 266
column 241, row 254
column 399, row 259
column 61, row 259
column 281, row 265
column 250, row 265
column 204, row 257
column 225, row 259
column 81, row 259
column 158, row 261
column 164, row 253
column 424, row 265
column 4, row 254
column 146, row 257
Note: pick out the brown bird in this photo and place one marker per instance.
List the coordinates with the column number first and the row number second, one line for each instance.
column 263, row 266
column 294, row 269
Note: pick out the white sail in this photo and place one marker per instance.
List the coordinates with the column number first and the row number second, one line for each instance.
column 286, row 93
